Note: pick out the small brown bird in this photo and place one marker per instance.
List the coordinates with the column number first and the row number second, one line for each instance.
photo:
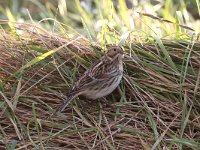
column 100, row 79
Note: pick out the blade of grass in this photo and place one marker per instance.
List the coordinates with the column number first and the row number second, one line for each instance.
column 179, row 18
column 166, row 53
column 1, row 86
column 17, row 93
column 89, row 31
column 198, row 6
column 123, row 11
column 123, row 38
column 185, row 142
column 7, row 101
column 154, row 128
column 185, row 115
column 163, row 134
column 86, row 17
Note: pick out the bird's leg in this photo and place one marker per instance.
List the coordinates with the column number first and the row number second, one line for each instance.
column 99, row 106
column 103, row 102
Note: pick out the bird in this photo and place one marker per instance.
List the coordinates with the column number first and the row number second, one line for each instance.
column 99, row 80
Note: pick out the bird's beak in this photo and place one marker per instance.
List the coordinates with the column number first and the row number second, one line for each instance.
column 122, row 51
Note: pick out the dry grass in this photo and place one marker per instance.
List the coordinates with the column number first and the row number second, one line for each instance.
column 155, row 106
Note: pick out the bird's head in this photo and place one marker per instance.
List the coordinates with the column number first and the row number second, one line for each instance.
column 115, row 51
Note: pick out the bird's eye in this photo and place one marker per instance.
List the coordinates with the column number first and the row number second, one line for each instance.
column 115, row 49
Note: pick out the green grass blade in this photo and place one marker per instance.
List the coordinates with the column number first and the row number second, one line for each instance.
column 166, row 53
column 198, row 6
column 154, row 128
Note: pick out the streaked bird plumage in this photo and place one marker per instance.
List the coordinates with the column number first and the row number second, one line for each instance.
column 100, row 79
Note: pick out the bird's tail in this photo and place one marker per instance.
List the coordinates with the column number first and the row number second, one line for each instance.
column 66, row 102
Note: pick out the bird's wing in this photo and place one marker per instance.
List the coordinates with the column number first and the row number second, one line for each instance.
column 98, row 72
